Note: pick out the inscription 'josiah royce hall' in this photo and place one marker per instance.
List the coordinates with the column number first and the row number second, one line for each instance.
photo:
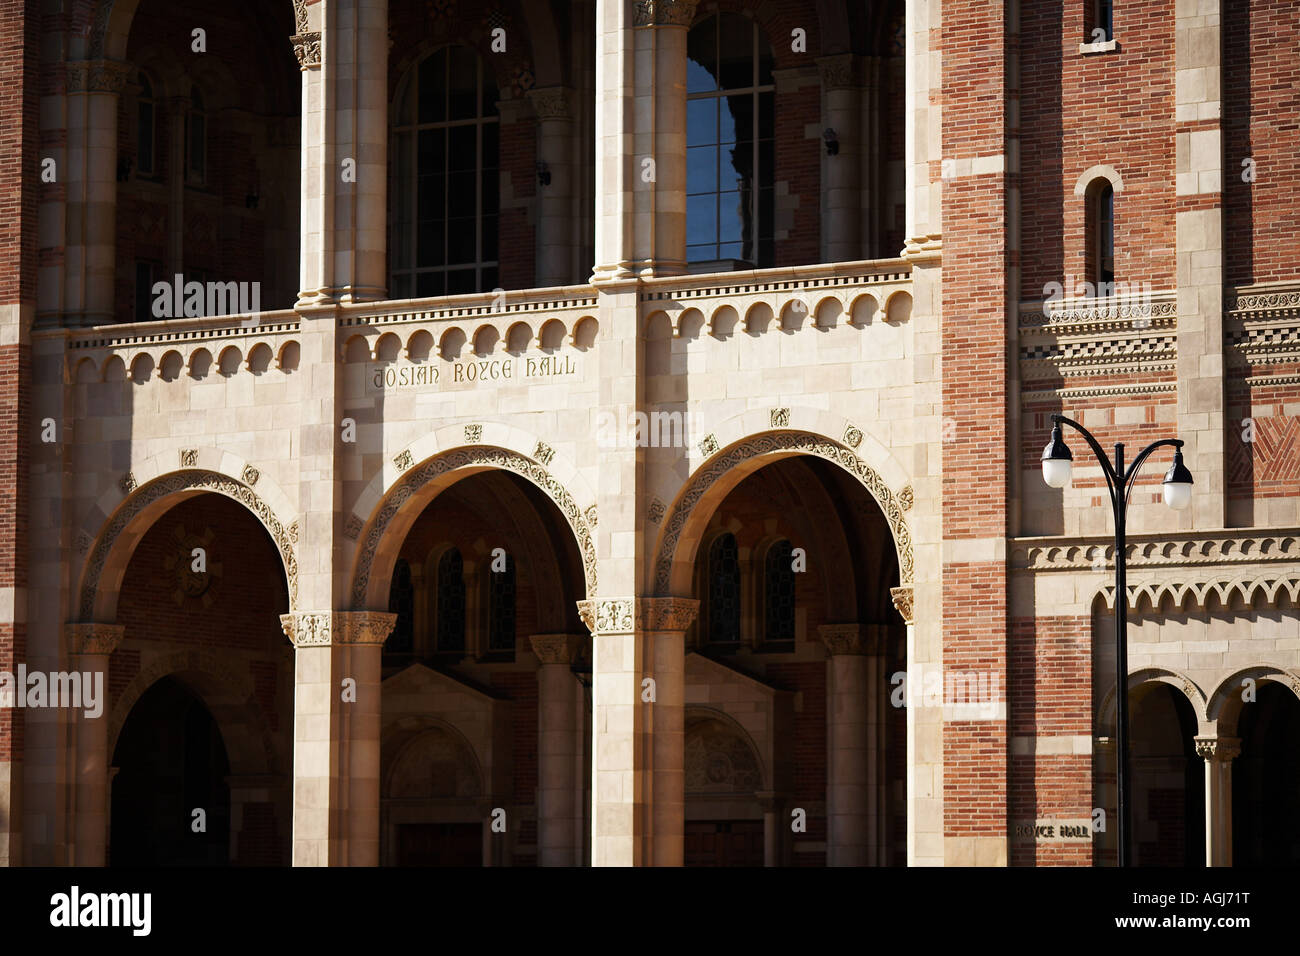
column 471, row 372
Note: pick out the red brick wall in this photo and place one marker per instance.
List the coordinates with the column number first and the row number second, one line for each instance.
column 1268, row 466
column 975, row 459
column 1113, row 109
column 1260, row 75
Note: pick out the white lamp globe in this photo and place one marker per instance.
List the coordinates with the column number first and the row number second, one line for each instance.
column 1178, row 484
column 1058, row 461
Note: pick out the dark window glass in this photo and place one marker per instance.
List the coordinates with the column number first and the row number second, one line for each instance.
column 501, row 608
column 146, row 130
column 451, row 603
column 724, row 591
column 196, row 140
column 1106, row 234
column 401, row 601
column 778, row 595
column 144, row 280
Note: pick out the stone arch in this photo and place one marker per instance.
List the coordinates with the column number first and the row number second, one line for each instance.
column 228, row 696
column 726, row 467
column 1164, row 675
column 728, row 756
column 111, row 538
column 1092, row 174
column 108, row 27
column 389, row 505
column 1225, row 702
column 409, row 742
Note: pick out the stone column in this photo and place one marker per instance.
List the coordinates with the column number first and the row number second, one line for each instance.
column 842, row 222
column 336, row 740
column 89, row 173
column 556, row 146
column 848, row 775
column 1218, row 753
column 772, row 804
column 665, row 621
column 89, row 647
column 557, row 749
column 177, row 108
column 1199, row 173
column 641, row 137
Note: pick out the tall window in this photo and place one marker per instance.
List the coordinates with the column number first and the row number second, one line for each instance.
column 1101, row 236
column 778, row 595
column 196, row 140
column 501, row 609
column 451, row 603
column 729, row 142
column 1103, row 19
column 146, row 129
column 401, row 601
column 723, row 609
column 445, row 200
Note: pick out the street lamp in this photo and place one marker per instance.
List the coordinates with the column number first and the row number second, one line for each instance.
column 1058, row 463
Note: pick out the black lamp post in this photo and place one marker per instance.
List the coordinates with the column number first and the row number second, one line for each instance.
column 1057, row 466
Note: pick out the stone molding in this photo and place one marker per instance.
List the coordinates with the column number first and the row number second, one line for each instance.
column 842, row 639
column 1250, row 589
column 326, row 628
column 625, row 615
column 1229, row 547
column 93, row 638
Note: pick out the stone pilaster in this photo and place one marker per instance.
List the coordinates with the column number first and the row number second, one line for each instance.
column 847, row 774
column 1198, row 177
column 641, row 137
column 89, row 647
column 1218, row 752
column 336, row 735
column 841, row 203
column 557, row 749
column 556, row 143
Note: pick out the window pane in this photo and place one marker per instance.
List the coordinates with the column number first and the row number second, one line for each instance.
column 731, row 250
column 451, row 602
column 489, row 281
column 736, row 51
column 766, row 163
column 490, row 239
column 433, row 85
column 701, row 122
column 501, row 608
column 701, row 169
column 724, row 591
column 462, row 84
column 401, row 601
column 732, row 216
column 778, row 598
column 430, row 243
column 491, row 132
column 429, row 284
column 701, row 48
column 461, row 282
column 766, row 116
column 462, row 239
column 462, row 151
column 736, row 161
column 461, row 198
column 701, row 219
column 491, row 183
column 701, row 253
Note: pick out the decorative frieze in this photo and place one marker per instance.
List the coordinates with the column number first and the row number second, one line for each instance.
column 663, row 13
column 1083, row 554
column 623, row 615
column 97, row 76
column 323, row 628
column 94, row 638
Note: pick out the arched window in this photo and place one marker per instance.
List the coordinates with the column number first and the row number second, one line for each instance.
column 196, row 140
column 1101, row 236
column 501, row 608
column 451, row 603
column 722, row 612
column 778, row 595
column 444, row 214
column 146, row 129
column 401, row 601
column 730, row 156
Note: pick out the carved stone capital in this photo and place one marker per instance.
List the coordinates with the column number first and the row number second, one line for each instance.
column 552, row 102
column 94, row 638
column 902, row 598
column 306, row 47
column 1222, row 749
column 363, row 627
column 97, row 76
column 842, row 639
column 556, row 648
column 307, row 629
column 624, row 615
column 664, row 13
column 841, row 71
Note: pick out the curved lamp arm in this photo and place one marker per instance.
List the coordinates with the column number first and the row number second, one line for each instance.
column 1113, row 481
column 1130, row 476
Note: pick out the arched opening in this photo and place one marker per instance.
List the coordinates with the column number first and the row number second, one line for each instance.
column 1168, row 788
column 1100, row 236
column 170, row 798
column 485, row 564
column 724, row 819
column 793, row 573
column 1266, row 780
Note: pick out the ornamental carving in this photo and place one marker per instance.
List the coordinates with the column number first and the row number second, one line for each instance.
column 551, row 103
column 544, row 453
column 1080, row 554
column 363, row 627
column 127, row 483
column 432, row 469
column 841, row 639
column 718, row 759
column 624, row 615
column 779, row 418
column 852, row 436
column 300, row 16
column 663, row 13
column 905, row 498
column 1265, row 588
column 169, row 485
column 473, row 433
column 94, row 638
column 352, row 527
column 656, row 511
column 902, row 598
column 709, row 446
column 306, row 47
column 307, row 630
column 97, row 76
column 250, row 475
column 1218, row 748
column 555, row 648
column 189, row 457
column 709, row 473
column 591, row 515
column 404, row 460
column 840, row 72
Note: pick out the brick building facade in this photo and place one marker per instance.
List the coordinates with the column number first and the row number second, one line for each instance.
column 608, row 432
